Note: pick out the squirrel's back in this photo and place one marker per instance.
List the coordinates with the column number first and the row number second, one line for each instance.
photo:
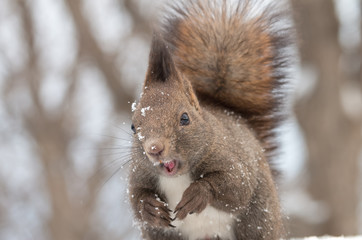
column 235, row 56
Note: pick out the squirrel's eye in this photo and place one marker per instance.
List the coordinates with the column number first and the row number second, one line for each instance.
column 133, row 129
column 185, row 120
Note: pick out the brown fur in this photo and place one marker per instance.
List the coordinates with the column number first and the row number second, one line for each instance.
column 232, row 59
column 224, row 70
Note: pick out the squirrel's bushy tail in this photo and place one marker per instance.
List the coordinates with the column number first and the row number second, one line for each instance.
column 234, row 54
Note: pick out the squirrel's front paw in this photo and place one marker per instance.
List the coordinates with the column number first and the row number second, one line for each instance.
column 155, row 212
column 194, row 199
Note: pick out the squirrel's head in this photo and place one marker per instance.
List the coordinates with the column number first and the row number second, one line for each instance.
column 167, row 123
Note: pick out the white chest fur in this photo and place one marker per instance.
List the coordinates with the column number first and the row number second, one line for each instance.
column 208, row 223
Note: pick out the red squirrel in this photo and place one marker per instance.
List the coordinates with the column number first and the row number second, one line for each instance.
column 204, row 127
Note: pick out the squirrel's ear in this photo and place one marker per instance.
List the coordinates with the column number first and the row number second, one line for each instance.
column 161, row 66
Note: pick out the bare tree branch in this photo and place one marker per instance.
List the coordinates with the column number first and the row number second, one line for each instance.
column 142, row 25
column 105, row 63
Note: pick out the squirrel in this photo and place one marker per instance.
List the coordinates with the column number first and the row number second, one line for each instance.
column 204, row 127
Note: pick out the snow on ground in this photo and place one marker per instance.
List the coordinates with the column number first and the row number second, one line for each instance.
column 329, row 238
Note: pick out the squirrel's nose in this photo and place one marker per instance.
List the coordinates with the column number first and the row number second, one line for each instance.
column 155, row 148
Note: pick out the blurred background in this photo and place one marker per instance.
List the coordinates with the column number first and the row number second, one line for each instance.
column 69, row 71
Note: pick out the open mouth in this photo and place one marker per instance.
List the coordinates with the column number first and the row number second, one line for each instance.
column 170, row 167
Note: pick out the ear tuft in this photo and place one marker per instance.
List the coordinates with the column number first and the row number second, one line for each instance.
column 161, row 65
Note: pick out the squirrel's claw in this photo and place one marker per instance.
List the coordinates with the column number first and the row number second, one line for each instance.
column 192, row 201
column 154, row 212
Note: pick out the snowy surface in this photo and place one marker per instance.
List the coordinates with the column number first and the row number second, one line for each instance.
column 329, row 238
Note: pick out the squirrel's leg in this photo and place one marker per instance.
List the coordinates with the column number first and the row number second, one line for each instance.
column 151, row 211
column 263, row 212
column 211, row 189
column 261, row 228
column 153, row 215
column 162, row 234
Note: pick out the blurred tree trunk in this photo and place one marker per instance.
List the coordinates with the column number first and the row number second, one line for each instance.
column 54, row 133
column 332, row 136
column 68, row 220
